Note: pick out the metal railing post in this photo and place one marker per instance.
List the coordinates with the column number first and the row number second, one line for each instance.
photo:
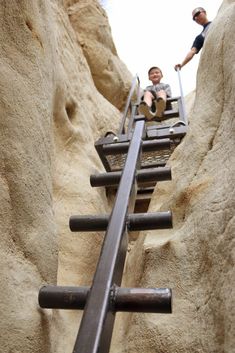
column 135, row 82
column 182, row 97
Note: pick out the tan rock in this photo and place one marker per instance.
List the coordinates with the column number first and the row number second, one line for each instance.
column 27, row 225
column 110, row 75
column 196, row 257
column 51, row 115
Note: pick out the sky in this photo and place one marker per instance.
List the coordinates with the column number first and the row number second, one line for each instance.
column 158, row 33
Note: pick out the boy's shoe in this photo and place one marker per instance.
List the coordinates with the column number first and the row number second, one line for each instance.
column 160, row 107
column 145, row 110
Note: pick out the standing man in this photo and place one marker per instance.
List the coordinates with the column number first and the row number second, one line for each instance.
column 199, row 16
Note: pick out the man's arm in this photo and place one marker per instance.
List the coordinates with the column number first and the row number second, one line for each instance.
column 188, row 57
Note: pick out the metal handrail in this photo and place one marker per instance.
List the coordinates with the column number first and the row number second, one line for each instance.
column 135, row 82
column 183, row 111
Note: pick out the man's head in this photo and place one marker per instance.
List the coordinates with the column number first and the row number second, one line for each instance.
column 199, row 15
column 155, row 74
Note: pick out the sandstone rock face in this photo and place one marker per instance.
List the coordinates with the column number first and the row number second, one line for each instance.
column 27, row 225
column 196, row 257
column 61, row 83
column 90, row 23
column 51, row 114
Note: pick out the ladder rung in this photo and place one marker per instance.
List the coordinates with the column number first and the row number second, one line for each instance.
column 142, row 176
column 173, row 99
column 170, row 114
column 151, row 300
column 58, row 297
column 154, row 174
column 118, row 148
column 135, row 222
column 178, row 131
column 148, row 221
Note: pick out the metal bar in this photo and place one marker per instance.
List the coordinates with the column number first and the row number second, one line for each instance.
column 155, row 165
column 173, row 113
column 143, row 176
column 88, row 223
column 154, row 174
column 132, row 118
column 97, row 317
column 172, row 99
column 116, row 148
column 105, row 179
column 184, row 115
column 106, row 140
column 133, row 86
column 147, row 221
column 144, row 300
column 150, row 300
column 147, row 146
column 99, row 149
column 58, row 297
column 135, row 221
column 156, row 145
column 179, row 131
column 181, row 109
column 145, row 190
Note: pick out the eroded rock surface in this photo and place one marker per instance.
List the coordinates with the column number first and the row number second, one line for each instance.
column 93, row 32
column 51, row 114
column 61, row 84
column 196, row 257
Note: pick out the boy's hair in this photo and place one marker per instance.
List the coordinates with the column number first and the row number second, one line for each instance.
column 154, row 68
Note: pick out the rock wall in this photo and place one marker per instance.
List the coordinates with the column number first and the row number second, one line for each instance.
column 93, row 32
column 196, row 257
column 51, row 114
column 61, row 84
column 27, row 225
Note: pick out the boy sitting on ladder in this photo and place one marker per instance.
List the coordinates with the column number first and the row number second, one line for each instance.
column 154, row 100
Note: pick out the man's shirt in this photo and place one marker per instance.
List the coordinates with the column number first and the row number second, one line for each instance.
column 199, row 40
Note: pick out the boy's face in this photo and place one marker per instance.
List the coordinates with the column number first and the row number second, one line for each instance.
column 155, row 76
